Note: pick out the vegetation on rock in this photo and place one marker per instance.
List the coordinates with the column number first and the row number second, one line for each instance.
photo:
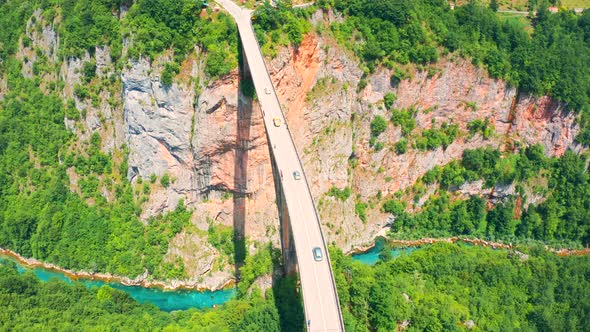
column 562, row 216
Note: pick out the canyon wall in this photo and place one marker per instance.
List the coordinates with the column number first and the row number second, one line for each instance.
column 209, row 139
column 317, row 83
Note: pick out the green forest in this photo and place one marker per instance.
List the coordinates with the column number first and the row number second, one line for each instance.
column 443, row 287
column 562, row 218
column 45, row 215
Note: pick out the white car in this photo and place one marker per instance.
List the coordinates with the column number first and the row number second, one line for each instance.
column 267, row 91
column 317, row 254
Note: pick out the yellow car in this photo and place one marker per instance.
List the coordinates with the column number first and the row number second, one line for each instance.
column 276, row 122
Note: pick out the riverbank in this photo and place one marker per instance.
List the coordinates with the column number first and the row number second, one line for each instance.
column 477, row 242
column 178, row 285
column 140, row 281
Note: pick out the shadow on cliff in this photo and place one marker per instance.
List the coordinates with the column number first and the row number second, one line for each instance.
column 285, row 289
column 245, row 97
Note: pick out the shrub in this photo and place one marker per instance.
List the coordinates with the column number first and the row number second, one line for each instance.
column 169, row 72
column 341, row 194
column 404, row 119
column 165, row 181
column 360, row 209
column 378, row 146
column 394, row 207
column 398, row 76
column 378, row 126
column 362, row 84
column 89, row 70
column 389, row 99
column 81, row 91
column 434, row 138
column 479, row 126
column 401, row 146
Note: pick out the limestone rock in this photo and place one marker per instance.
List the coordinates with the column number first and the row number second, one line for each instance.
column 317, row 84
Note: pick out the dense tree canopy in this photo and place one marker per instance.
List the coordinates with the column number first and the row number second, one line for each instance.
column 32, row 305
column 447, row 287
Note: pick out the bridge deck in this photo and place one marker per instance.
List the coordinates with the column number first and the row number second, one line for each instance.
column 320, row 299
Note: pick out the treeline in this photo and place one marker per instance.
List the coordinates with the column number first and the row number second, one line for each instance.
column 451, row 287
column 158, row 25
column 553, row 60
column 277, row 25
column 150, row 26
column 29, row 304
column 561, row 216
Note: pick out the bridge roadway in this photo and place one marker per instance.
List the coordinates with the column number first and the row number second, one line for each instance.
column 320, row 300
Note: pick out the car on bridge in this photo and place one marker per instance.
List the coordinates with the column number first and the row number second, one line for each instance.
column 296, row 175
column 276, row 121
column 317, row 254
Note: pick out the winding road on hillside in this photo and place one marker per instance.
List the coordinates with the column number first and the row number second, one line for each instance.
column 320, row 300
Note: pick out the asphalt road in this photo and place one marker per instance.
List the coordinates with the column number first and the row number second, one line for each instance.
column 320, row 300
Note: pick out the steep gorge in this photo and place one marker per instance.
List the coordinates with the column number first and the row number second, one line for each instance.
column 189, row 132
column 332, row 126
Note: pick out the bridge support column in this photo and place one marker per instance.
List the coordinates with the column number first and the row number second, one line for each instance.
column 287, row 243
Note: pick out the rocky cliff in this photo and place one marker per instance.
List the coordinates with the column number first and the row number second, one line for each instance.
column 318, row 84
column 209, row 140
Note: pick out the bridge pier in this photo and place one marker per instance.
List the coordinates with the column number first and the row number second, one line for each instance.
column 287, row 243
column 320, row 298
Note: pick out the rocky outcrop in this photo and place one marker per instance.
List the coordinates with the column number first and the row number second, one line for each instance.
column 158, row 124
column 332, row 126
column 194, row 139
column 213, row 147
column 40, row 39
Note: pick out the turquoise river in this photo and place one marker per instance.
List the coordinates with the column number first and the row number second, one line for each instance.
column 183, row 299
column 165, row 300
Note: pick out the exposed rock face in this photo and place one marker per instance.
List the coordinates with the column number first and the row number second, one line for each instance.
column 210, row 144
column 37, row 37
column 332, row 125
column 194, row 139
column 158, row 122
column 210, row 139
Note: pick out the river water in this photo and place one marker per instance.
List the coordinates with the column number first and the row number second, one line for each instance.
column 165, row 300
column 371, row 256
column 184, row 299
